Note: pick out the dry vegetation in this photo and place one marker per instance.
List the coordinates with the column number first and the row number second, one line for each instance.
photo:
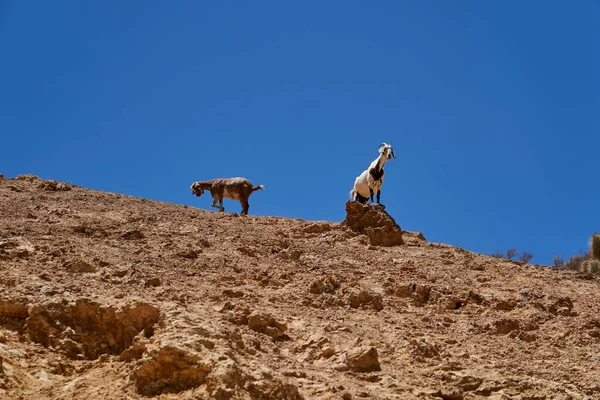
column 586, row 262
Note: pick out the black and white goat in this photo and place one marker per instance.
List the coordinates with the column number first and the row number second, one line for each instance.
column 371, row 179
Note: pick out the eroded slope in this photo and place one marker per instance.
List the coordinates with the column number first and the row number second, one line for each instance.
column 109, row 296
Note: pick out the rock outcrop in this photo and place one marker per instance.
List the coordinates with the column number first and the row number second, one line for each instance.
column 373, row 221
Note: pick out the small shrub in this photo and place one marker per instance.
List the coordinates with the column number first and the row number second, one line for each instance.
column 510, row 253
column 525, row 257
column 497, row 255
column 590, row 267
column 574, row 263
column 579, row 262
column 558, row 262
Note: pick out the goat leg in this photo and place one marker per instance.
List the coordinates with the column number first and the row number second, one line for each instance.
column 371, row 191
column 378, row 195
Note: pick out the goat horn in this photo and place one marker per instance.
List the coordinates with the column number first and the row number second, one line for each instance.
column 382, row 144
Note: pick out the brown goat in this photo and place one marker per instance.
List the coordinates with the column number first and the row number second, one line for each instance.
column 232, row 188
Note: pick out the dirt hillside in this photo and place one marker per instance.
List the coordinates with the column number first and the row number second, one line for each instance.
column 107, row 296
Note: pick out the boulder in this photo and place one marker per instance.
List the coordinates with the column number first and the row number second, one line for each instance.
column 373, row 221
column 363, row 359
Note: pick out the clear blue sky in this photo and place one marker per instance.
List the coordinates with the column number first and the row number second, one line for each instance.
column 493, row 108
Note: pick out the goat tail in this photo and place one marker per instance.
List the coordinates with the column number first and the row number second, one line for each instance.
column 259, row 187
column 353, row 194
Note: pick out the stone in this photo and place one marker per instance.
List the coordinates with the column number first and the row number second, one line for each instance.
column 363, row 359
column 373, row 221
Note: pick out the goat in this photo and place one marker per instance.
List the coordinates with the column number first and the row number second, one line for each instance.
column 232, row 188
column 370, row 180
